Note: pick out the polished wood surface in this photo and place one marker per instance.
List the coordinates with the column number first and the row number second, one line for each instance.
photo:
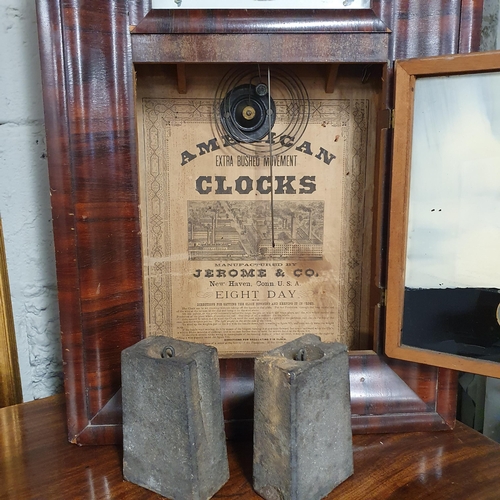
column 10, row 377
column 418, row 29
column 261, row 21
column 89, row 118
column 282, row 47
column 387, row 395
column 87, row 55
column 36, row 461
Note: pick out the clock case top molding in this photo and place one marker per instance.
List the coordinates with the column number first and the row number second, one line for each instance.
column 88, row 51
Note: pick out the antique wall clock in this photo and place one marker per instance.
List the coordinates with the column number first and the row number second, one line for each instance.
column 222, row 175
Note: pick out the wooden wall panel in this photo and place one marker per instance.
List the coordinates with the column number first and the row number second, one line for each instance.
column 434, row 27
column 88, row 96
column 138, row 9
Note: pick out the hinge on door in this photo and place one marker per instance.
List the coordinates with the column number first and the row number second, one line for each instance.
column 383, row 293
column 386, row 118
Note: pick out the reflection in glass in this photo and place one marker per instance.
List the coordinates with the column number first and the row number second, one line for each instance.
column 453, row 249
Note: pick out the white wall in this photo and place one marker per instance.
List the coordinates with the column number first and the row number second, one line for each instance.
column 25, row 202
column 490, row 31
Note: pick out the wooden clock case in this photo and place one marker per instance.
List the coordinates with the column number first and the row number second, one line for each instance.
column 88, row 51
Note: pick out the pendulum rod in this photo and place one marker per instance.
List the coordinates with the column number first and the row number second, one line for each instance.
column 269, row 119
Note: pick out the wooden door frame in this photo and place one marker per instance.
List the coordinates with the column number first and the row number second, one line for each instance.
column 87, row 53
column 406, row 74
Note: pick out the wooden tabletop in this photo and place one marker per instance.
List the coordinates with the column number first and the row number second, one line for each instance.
column 36, row 462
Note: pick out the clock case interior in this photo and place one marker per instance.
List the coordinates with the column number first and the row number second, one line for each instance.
column 173, row 102
column 228, row 285
column 94, row 174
